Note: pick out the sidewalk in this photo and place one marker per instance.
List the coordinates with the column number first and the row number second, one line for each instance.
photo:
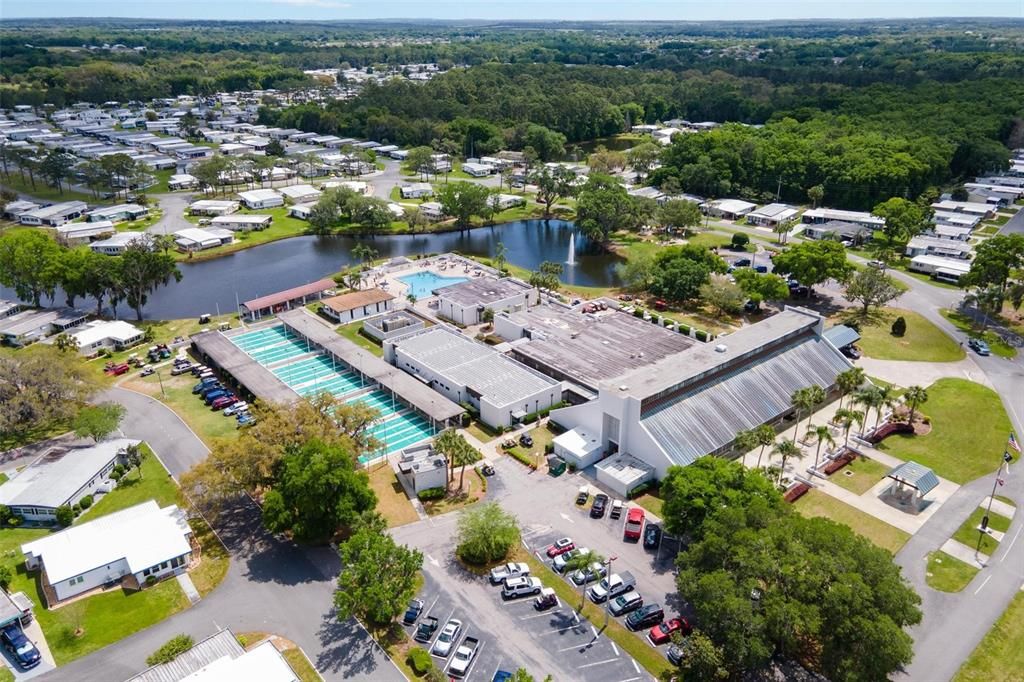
column 908, row 373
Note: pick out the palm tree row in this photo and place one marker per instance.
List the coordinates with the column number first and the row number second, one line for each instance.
column 457, row 451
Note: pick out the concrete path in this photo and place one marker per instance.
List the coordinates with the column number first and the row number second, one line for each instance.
column 968, row 555
column 999, row 507
column 188, row 587
column 907, row 373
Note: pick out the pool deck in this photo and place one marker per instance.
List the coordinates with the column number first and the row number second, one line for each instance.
column 446, row 265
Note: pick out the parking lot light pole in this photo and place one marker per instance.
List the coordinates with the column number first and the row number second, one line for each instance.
column 608, row 598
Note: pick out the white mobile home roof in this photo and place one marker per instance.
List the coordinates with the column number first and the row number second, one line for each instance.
column 143, row 535
column 53, row 478
column 117, row 330
column 260, row 195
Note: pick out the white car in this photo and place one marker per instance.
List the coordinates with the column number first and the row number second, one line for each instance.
column 236, row 408
column 512, row 569
column 562, row 560
column 521, row 587
column 445, row 640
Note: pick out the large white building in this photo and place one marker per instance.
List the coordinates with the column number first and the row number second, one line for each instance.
column 220, row 658
column 62, row 476
column 261, row 198
column 465, row 302
column 693, row 403
column 128, row 546
column 54, row 215
column 465, row 371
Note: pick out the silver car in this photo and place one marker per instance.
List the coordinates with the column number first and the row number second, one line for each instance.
column 449, row 635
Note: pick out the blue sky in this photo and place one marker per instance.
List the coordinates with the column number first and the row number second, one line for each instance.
column 510, row 9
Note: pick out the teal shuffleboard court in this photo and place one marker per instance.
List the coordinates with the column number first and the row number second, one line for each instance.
column 262, row 337
column 284, row 350
column 424, row 284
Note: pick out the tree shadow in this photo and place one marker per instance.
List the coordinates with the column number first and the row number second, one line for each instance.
column 347, row 649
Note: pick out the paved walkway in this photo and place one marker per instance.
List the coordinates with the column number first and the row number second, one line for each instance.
column 1000, row 507
column 908, row 373
column 188, row 587
column 968, row 555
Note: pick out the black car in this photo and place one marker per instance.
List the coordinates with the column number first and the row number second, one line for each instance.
column 652, row 536
column 487, row 470
column 526, row 440
column 751, row 307
column 21, row 649
column 600, row 504
column 741, row 263
column 412, row 613
column 645, row 617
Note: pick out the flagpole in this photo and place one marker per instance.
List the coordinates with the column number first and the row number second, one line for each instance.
column 1007, row 458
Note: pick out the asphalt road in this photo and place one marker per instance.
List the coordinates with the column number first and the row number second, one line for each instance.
column 272, row 585
column 1015, row 225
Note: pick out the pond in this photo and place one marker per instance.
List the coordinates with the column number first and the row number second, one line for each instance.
column 213, row 286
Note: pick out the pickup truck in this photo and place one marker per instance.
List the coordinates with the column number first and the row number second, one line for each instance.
column 634, row 523
column 426, row 629
column 611, row 587
column 464, row 656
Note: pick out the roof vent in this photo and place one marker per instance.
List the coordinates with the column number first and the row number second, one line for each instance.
column 623, row 387
column 721, row 348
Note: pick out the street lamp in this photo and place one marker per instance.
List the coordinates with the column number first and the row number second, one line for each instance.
column 608, row 599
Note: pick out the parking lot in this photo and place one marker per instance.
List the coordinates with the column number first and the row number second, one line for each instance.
column 514, row 634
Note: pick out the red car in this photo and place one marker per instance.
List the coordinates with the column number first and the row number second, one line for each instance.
column 223, row 401
column 661, row 634
column 561, row 546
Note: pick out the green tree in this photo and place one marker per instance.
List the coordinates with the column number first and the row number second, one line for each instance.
column 420, row 160
column 914, row 397
column 40, row 387
column 554, row 184
column 643, row 156
column 317, row 492
column 899, row 326
column 903, row 219
column 463, row 200
column 765, row 436
column 847, row 418
column 485, row 534
column 702, row 658
column 171, row 649
column 143, row 270
column 605, row 161
column 378, row 577
column 582, row 562
column 98, row 421
column 65, row 516
column 57, row 167
column 871, row 287
column 275, row 149
column 29, row 264
column 848, row 381
column 548, row 144
column 500, row 257
column 693, row 492
column 875, row 398
column 988, row 300
column 547, row 276
column 722, row 294
column 603, row 207
column 816, row 194
column 786, row 449
column 679, row 279
column 637, row 273
column 373, row 214
column 65, row 342
column 822, row 435
column 679, row 214
column 761, row 286
column 744, row 442
column 813, row 262
column 995, row 259
column 6, row 576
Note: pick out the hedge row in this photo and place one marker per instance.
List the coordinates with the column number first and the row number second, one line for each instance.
column 525, row 459
column 431, row 494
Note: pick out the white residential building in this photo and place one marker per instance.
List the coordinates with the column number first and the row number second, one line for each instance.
column 182, row 181
column 772, row 215
column 54, row 215
column 242, row 222
column 730, row 209
column 130, row 546
column 76, row 234
column 213, row 207
column 261, row 198
column 300, row 194
column 199, row 239
column 112, row 335
column 357, row 305
column 118, row 243
column 423, row 467
column 62, row 475
column 416, row 190
column 970, row 207
column 816, row 216
column 464, row 303
column 117, row 214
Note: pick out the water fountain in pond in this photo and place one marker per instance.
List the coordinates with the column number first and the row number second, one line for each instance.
column 572, row 250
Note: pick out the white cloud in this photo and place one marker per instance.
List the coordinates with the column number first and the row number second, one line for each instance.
column 320, row 4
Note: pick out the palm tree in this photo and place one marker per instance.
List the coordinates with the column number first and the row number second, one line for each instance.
column 914, row 397
column 581, row 562
column 786, row 448
column 745, row 441
column 873, row 397
column 847, row 418
column 500, row 251
column 848, row 382
column 801, row 400
column 447, row 443
column 815, row 396
column 823, row 435
column 464, row 454
column 765, row 437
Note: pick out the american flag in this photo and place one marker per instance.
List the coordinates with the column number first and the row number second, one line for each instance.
column 1013, row 442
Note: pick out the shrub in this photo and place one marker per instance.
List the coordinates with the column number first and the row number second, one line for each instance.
column 638, row 312
column 701, row 335
column 6, row 576
column 419, row 660
column 431, row 494
column 549, row 448
column 739, row 242
column 639, row 490
column 65, row 515
column 85, row 502
column 655, row 318
column 5, row 514
column 486, row 533
column 15, row 521
column 684, row 329
column 899, row 327
column 117, row 472
column 150, row 580
column 173, row 648
column 525, row 459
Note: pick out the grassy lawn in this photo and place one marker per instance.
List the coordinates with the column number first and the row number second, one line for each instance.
column 994, row 341
column 481, row 431
column 6, row 675
column 301, row 666
column 155, row 214
column 947, row 573
column 652, row 502
column 817, row 503
column 473, row 490
column 11, row 540
column 44, row 191
column 282, row 227
column 391, row 500
column 1000, row 656
column 923, row 341
column 968, row 533
column 177, row 395
column 214, row 563
column 353, row 331
column 155, row 484
column 864, row 473
column 632, row 643
column 541, row 435
column 968, row 436
column 103, row 618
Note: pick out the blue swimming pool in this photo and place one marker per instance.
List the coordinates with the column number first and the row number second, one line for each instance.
column 423, row 284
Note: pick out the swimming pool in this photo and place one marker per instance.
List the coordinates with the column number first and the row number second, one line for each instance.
column 422, row 284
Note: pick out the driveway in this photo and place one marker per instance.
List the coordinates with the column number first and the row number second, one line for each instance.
column 173, row 218
column 272, row 585
column 1014, row 225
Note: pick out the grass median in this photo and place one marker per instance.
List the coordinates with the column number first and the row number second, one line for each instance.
column 1000, row 656
column 946, row 573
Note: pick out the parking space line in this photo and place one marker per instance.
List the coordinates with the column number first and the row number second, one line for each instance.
column 570, row 648
column 631, row 679
column 541, row 615
column 591, row 665
column 476, row 657
column 635, row 666
column 594, row 630
column 614, row 648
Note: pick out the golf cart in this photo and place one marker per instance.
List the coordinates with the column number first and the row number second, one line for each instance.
column 583, row 495
column 546, row 599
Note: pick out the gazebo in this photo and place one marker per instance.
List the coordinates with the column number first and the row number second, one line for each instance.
column 911, row 482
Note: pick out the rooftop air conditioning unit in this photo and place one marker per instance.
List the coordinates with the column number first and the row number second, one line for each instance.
column 721, row 348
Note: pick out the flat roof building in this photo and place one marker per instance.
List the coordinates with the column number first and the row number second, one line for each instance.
column 357, row 305
column 464, row 303
column 300, row 193
column 76, row 234
column 112, row 335
column 816, row 216
column 261, row 198
column 118, row 243
column 116, row 214
column 200, row 239
column 54, row 215
column 730, row 209
column 502, row 389
column 32, row 325
column 772, row 215
column 242, row 222
column 271, row 304
column 212, row 207
column 220, row 658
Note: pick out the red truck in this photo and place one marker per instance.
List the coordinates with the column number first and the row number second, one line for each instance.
column 634, row 524
column 118, row 370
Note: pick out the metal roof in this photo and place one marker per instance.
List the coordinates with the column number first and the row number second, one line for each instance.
column 498, row 378
column 412, row 391
column 915, row 475
column 708, row 417
column 259, row 380
column 200, row 655
column 840, row 335
column 288, row 294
